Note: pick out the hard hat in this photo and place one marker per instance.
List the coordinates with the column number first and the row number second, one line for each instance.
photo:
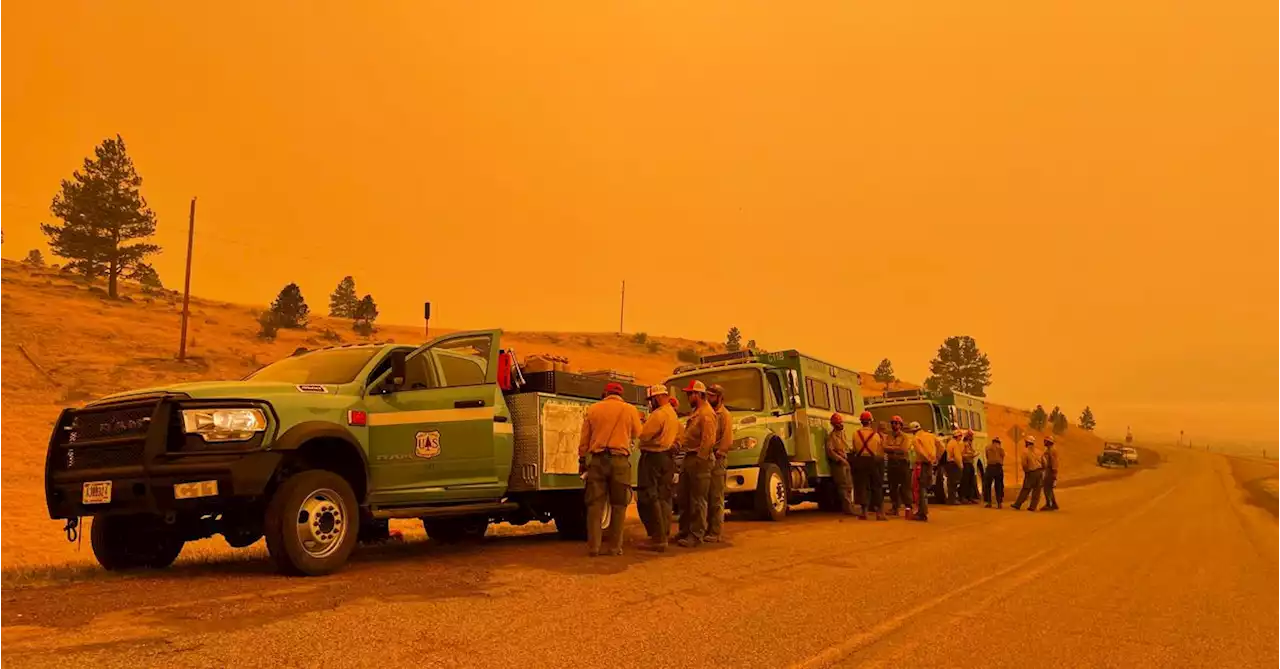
column 716, row 389
column 674, row 401
column 696, row 386
column 613, row 388
column 1029, row 440
column 865, row 417
column 896, row 419
column 914, row 426
column 655, row 391
column 995, row 440
column 1048, row 440
column 837, row 419
column 968, row 433
column 957, row 432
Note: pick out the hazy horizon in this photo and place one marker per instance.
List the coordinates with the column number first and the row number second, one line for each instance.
column 1088, row 190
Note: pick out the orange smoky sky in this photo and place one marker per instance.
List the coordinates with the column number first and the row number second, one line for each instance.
column 1088, row 188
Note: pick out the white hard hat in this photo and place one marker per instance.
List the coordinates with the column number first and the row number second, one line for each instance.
column 1029, row 440
column 914, row 426
column 655, row 391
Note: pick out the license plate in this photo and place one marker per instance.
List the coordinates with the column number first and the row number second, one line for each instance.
column 96, row 492
column 195, row 489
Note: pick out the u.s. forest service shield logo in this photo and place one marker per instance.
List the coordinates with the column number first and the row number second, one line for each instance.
column 426, row 444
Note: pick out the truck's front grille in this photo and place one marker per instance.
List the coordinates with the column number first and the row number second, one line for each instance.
column 89, row 426
column 98, row 457
column 102, row 437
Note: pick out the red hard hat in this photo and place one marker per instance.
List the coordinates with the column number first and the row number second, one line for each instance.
column 674, row 402
column 865, row 417
column 896, row 419
column 837, row 419
column 613, row 388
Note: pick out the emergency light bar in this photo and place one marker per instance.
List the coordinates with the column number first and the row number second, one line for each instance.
column 732, row 355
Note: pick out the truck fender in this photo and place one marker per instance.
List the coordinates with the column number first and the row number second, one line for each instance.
column 310, row 431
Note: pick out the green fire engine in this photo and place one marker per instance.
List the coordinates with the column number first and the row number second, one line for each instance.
column 781, row 404
column 940, row 414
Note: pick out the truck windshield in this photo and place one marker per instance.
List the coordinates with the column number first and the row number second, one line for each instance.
column 743, row 388
column 921, row 412
column 330, row 367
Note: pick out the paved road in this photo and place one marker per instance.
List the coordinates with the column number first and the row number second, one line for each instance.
column 1168, row 567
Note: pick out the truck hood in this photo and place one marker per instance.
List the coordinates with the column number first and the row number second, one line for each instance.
column 228, row 389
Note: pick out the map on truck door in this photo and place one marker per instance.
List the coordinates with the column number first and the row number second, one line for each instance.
column 561, row 431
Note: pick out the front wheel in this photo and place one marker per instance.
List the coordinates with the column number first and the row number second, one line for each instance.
column 312, row 523
column 771, row 493
column 134, row 542
column 571, row 521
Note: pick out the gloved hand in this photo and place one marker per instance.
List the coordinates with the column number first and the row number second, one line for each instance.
column 582, row 464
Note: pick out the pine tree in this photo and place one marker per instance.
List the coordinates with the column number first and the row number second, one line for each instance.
column 751, row 344
column 101, row 207
column 1060, row 423
column 733, row 340
column 148, row 278
column 1086, row 420
column 959, row 366
column 343, row 301
column 884, row 373
column 1053, row 415
column 1038, row 418
column 290, row 309
column 34, row 258
column 366, row 313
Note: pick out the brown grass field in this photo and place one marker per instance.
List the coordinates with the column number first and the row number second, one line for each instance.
column 79, row 345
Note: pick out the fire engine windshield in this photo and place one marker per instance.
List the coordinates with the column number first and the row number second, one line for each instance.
column 329, row 367
column 921, row 412
column 743, row 388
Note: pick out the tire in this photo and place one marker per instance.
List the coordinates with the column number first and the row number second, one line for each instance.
column 571, row 521
column 133, row 542
column 828, row 496
column 771, row 493
column 312, row 523
column 456, row 530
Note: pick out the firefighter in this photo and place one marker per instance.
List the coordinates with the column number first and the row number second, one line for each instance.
column 698, row 443
column 955, row 459
column 604, row 453
column 867, row 464
column 838, row 457
column 1050, row 475
column 969, row 472
column 926, row 449
column 657, row 468
column 993, row 477
column 1032, row 471
column 897, row 447
column 719, row 468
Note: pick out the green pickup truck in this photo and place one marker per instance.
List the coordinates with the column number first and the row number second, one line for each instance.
column 318, row 451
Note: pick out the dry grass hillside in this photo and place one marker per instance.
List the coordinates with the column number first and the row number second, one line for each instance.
column 63, row 344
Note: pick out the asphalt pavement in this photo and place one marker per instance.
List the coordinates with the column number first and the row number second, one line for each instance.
column 1171, row 566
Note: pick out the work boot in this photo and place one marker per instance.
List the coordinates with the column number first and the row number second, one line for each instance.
column 653, row 546
column 712, row 539
column 593, row 552
column 894, row 511
column 1016, row 507
column 987, row 505
column 688, row 542
column 880, row 516
column 999, row 505
column 614, row 551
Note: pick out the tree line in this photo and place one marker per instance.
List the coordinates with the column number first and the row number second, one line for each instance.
column 290, row 310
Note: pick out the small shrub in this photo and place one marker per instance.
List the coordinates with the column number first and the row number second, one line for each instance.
column 588, row 343
column 687, row 355
column 553, row 339
column 210, row 321
column 640, row 337
column 363, row 328
column 328, row 334
column 268, row 328
column 654, row 347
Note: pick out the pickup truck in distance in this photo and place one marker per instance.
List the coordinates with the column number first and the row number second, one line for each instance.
column 318, row 450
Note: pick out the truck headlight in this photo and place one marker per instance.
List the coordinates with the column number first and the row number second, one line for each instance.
column 219, row 425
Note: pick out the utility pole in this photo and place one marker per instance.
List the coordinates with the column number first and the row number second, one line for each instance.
column 622, row 312
column 186, row 284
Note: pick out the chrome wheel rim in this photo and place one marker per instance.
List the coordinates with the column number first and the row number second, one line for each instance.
column 606, row 517
column 777, row 492
column 321, row 523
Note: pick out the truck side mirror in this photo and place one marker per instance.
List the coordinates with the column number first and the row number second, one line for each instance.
column 395, row 380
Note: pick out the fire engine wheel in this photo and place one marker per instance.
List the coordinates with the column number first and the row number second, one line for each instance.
column 571, row 521
column 312, row 523
column 455, row 530
column 771, row 493
column 133, row 542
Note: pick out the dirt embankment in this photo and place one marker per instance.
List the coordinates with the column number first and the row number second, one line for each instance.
column 1258, row 479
